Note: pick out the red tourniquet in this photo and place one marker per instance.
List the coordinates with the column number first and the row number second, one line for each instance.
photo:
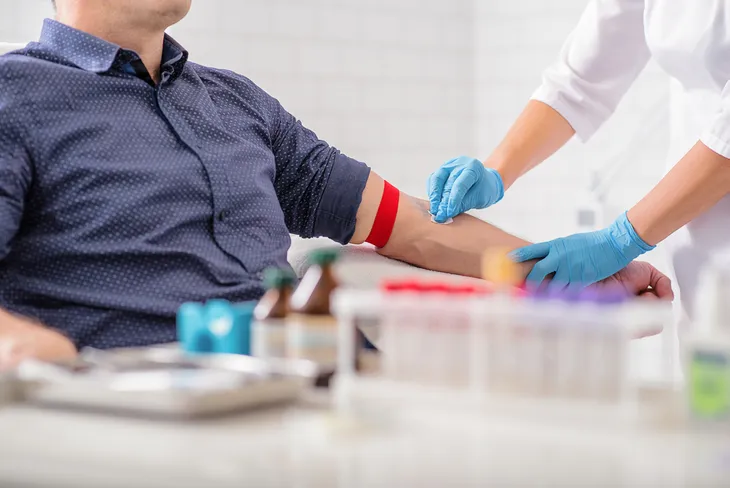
column 385, row 218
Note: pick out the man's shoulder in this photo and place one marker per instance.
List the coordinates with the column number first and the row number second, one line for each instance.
column 225, row 77
column 232, row 82
column 16, row 65
column 20, row 68
column 17, row 74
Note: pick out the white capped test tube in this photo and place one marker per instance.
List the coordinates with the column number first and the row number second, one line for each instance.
column 460, row 334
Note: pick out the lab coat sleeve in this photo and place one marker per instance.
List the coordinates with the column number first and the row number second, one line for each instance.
column 598, row 63
column 717, row 136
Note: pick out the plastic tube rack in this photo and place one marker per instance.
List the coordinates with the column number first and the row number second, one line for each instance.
column 465, row 348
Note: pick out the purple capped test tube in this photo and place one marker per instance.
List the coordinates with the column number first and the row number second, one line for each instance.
column 611, row 295
column 604, row 343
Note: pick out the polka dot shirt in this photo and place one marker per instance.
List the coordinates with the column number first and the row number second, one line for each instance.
column 120, row 200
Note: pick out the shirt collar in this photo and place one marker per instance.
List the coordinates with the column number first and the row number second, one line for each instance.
column 174, row 57
column 91, row 53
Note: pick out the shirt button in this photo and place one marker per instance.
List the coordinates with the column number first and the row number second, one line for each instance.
column 222, row 215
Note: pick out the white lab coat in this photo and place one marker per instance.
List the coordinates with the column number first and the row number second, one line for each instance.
column 690, row 40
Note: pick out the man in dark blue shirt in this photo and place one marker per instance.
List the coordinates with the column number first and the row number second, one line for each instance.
column 132, row 180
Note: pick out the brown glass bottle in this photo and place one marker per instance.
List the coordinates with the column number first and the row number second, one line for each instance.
column 269, row 327
column 311, row 329
column 275, row 302
column 312, row 296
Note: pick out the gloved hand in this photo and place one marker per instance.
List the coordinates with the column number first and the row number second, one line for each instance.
column 583, row 259
column 460, row 185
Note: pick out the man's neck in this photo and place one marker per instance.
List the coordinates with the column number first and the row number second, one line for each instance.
column 147, row 44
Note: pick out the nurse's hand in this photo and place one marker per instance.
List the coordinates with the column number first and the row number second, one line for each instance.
column 583, row 259
column 462, row 184
column 21, row 338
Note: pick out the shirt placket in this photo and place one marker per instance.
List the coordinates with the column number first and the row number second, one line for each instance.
column 216, row 172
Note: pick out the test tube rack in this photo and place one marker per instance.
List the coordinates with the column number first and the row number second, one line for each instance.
column 450, row 349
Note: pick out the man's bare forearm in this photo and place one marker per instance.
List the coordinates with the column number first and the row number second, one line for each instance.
column 455, row 248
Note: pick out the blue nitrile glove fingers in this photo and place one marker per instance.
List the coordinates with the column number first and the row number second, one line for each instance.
column 463, row 184
column 436, row 183
column 583, row 259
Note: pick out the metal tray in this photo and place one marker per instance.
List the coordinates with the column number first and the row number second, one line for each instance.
column 163, row 382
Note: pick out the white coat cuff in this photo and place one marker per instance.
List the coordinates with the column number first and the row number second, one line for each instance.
column 717, row 138
column 577, row 117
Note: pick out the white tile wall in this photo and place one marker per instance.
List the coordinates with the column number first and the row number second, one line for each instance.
column 20, row 20
column 388, row 82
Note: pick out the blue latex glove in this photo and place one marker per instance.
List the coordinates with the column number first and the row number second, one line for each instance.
column 460, row 185
column 583, row 259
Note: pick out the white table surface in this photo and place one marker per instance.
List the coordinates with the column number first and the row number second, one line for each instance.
column 306, row 446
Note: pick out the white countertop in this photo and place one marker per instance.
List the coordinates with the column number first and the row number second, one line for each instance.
column 308, row 446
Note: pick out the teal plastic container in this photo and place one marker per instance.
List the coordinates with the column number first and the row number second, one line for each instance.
column 238, row 340
column 216, row 327
column 192, row 332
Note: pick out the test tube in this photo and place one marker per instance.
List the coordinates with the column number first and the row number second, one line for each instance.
column 407, row 327
column 433, row 317
column 462, row 335
column 513, row 333
column 548, row 320
column 608, row 347
column 504, row 345
column 447, row 328
column 451, row 328
column 389, row 330
column 570, row 357
column 480, row 331
column 530, row 343
column 590, row 341
column 504, row 274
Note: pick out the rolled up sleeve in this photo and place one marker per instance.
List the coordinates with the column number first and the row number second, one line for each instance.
column 318, row 187
column 601, row 59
